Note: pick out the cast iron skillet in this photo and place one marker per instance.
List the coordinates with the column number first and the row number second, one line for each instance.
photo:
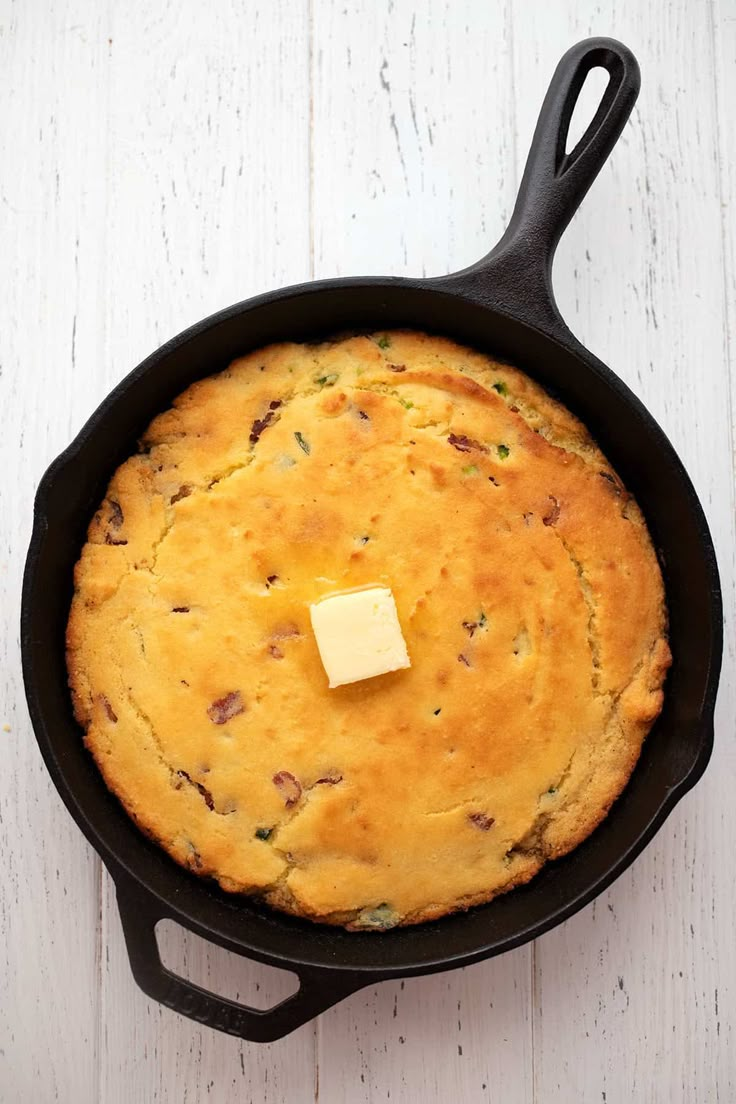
column 503, row 304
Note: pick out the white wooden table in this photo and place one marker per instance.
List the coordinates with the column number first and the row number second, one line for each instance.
column 159, row 160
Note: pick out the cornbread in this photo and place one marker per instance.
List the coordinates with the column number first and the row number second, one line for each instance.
column 526, row 587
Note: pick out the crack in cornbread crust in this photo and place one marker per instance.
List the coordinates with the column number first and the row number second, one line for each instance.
column 527, row 589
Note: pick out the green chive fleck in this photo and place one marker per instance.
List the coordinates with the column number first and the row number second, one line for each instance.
column 263, row 833
column 383, row 342
column 303, row 445
column 327, row 381
column 501, row 388
column 406, row 403
column 381, row 917
column 470, row 469
column 503, row 451
column 482, row 619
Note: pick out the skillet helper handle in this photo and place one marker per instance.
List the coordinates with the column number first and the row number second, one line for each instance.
column 319, row 989
column 516, row 275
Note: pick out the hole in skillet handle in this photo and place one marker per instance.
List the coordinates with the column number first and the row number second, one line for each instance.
column 319, row 989
column 591, row 94
column 196, row 960
column 515, row 277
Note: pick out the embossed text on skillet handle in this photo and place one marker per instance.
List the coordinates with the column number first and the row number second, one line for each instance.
column 319, row 989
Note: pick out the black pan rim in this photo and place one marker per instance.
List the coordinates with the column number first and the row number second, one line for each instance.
column 119, row 866
column 512, row 285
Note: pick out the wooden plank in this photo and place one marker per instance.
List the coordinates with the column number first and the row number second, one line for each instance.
column 412, row 151
column 724, row 41
column 208, row 152
column 153, row 1054
column 52, row 234
column 413, row 173
column 157, row 164
column 462, row 1035
column 634, row 997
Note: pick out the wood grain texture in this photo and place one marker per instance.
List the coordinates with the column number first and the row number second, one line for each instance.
column 160, row 160
column 50, row 220
column 463, row 1035
column 646, row 975
column 412, row 149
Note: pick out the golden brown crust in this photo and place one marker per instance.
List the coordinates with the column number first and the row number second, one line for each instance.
column 527, row 589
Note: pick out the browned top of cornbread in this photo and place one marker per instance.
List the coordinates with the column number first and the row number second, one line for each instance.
column 527, row 589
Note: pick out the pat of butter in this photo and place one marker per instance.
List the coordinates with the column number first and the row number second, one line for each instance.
column 358, row 635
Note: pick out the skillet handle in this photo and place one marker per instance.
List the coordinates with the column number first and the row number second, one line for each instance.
column 319, row 989
column 515, row 276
